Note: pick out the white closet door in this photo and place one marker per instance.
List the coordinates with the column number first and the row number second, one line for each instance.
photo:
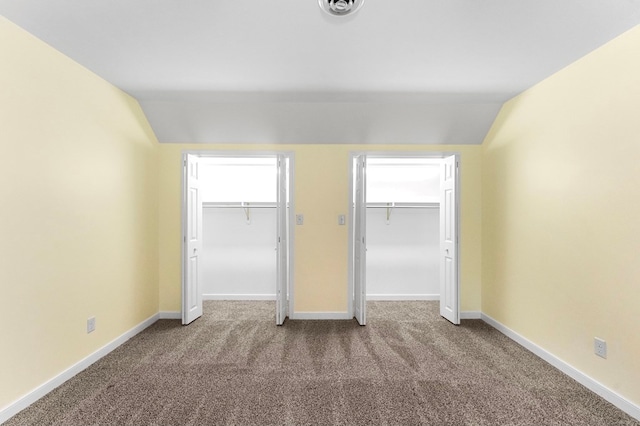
column 449, row 306
column 282, row 269
column 360, row 249
column 192, row 269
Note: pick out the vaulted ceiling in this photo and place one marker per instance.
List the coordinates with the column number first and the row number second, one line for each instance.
column 256, row 71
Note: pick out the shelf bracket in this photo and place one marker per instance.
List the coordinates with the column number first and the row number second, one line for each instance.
column 390, row 207
column 247, row 212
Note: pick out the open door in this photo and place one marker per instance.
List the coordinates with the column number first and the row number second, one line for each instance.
column 449, row 305
column 282, row 249
column 192, row 243
column 359, row 240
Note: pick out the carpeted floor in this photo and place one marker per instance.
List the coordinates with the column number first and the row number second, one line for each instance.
column 407, row 366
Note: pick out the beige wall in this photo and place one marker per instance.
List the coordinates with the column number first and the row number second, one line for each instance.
column 321, row 246
column 561, row 214
column 78, row 184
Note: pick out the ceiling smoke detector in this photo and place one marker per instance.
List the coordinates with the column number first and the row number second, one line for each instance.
column 340, row 7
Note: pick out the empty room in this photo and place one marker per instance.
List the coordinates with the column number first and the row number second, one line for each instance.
column 320, row 212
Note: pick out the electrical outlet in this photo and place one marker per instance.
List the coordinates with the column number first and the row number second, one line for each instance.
column 600, row 347
column 91, row 324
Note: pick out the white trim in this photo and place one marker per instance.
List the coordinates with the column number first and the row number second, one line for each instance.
column 292, row 228
column 238, row 297
column 170, row 315
column 470, row 315
column 320, row 316
column 616, row 399
column 26, row 400
column 183, row 236
column 350, row 229
column 405, row 297
column 458, row 207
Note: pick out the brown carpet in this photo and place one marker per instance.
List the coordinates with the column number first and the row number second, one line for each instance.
column 408, row 366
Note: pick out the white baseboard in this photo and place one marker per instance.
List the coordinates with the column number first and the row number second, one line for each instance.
column 238, row 297
column 23, row 402
column 470, row 315
column 618, row 400
column 320, row 316
column 170, row 315
column 403, row 297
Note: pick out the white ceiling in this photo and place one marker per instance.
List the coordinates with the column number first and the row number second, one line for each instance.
column 256, row 71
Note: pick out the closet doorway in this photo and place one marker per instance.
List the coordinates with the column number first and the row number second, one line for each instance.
column 404, row 231
column 236, row 211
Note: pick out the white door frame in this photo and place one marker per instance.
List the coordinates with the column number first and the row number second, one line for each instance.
column 359, row 237
column 239, row 154
column 396, row 154
column 283, row 220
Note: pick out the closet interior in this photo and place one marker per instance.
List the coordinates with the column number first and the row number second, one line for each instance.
column 402, row 229
column 239, row 228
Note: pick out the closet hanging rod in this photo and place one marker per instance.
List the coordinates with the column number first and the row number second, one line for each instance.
column 238, row 207
column 217, row 205
column 402, row 205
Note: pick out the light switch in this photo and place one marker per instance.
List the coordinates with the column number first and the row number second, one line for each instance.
column 341, row 219
column 299, row 219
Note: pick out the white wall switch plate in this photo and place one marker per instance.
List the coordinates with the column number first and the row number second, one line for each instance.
column 341, row 219
column 91, row 324
column 600, row 347
column 299, row 219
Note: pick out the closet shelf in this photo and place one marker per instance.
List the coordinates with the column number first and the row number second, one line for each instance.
column 394, row 205
column 246, row 206
column 243, row 205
